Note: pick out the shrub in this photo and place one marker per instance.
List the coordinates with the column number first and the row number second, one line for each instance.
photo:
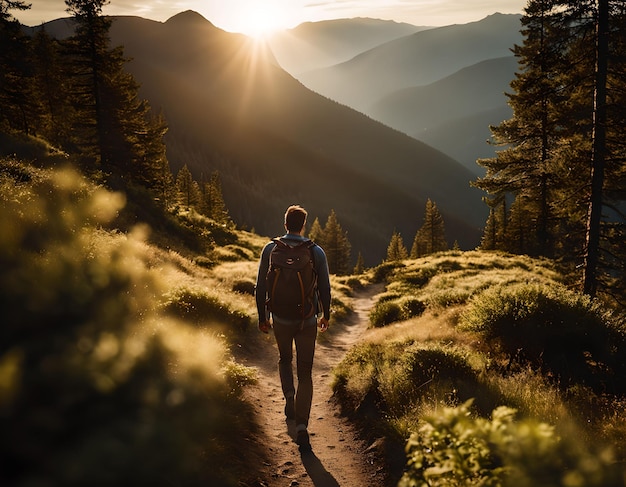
column 205, row 227
column 400, row 374
column 551, row 327
column 384, row 313
column 412, row 307
column 419, row 277
column 384, row 270
column 205, row 262
column 201, row 307
column 97, row 389
column 391, row 308
column 412, row 372
column 452, row 448
column 244, row 287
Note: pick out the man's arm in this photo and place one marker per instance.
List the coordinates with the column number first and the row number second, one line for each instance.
column 323, row 280
column 261, row 287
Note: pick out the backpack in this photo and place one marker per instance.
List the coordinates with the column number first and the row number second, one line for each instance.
column 291, row 280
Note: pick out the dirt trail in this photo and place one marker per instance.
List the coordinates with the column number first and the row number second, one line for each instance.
column 339, row 457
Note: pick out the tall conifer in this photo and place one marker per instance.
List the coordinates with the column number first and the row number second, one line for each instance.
column 337, row 246
column 15, row 77
column 396, row 250
column 431, row 237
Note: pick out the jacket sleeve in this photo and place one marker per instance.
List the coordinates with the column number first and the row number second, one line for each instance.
column 260, row 291
column 323, row 279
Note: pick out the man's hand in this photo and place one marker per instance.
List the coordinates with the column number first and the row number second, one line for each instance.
column 323, row 324
column 265, row 326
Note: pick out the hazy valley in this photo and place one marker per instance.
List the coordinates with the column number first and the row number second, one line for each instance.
column 443, row 86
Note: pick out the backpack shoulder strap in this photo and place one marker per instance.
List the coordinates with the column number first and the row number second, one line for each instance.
column 307, row 242
column 279, row 241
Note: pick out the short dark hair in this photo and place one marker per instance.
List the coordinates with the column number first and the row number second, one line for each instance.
column 295, row 218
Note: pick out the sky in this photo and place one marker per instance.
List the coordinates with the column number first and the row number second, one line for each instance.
column 257, row 17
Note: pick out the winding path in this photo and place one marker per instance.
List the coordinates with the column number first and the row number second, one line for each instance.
column 339, row 457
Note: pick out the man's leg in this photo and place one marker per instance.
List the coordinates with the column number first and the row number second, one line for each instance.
column 284, row 334
column 305, row 351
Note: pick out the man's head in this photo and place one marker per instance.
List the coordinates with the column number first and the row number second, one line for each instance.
column 295, row 218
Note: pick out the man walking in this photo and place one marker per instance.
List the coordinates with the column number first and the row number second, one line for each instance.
column 300, row 326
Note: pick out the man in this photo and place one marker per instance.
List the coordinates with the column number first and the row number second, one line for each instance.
column 301, row 331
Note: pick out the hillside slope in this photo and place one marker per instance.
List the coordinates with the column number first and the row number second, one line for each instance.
column 231, row 108
column 473, row 93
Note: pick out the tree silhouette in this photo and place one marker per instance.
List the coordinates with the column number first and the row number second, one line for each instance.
column 336, row 245
column 15, row 83
column 431, row 237
column 396, row 250
column 188, row 190
column 113, row 128
column 316, row 233
column 563, row 162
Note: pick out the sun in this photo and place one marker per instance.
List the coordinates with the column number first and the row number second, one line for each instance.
column 261, row 18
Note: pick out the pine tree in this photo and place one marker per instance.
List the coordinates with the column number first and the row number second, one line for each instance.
column 564, row 163
column 431, row 237
column 188, row 190
column 15, row 79
column 418, row 248
column 337, row 246
column 216, row 203
column 50, row 84
column 113, row 128
column 316, row 233
column 524, row 169
column 359, row 268
column 495, row 228
column 396, row 251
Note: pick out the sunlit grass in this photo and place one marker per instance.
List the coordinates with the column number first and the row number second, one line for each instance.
column 124, row 391
column 460, row 295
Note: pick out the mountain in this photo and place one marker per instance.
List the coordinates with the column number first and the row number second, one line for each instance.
column 443, row 86
column 414, row 60
column 314, row 45
column 465, row 139
column 469, row 98
column 231, row 108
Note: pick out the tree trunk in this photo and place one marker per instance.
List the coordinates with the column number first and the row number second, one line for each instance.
column 594, row 215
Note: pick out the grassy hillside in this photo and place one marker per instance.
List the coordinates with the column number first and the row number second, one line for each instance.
column 115, row 363
column 464, row 345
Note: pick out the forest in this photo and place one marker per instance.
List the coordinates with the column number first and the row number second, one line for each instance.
column 126, row 290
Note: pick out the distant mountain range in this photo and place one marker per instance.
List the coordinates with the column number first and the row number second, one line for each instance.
column 315, row 45
column 231, row 107
column 443, row 86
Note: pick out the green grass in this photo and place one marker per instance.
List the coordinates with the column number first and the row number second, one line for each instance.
column 95, row 377
column 491, row 330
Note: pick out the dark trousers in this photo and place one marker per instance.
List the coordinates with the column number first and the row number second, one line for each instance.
column 288, row 332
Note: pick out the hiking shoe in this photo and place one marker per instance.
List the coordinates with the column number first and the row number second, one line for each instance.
column 302, row 439
column 290, row 408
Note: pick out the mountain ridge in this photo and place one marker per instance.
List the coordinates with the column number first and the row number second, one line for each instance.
column 225, row 100
column 314, row 45
column 231, row 108
column 418, row 59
